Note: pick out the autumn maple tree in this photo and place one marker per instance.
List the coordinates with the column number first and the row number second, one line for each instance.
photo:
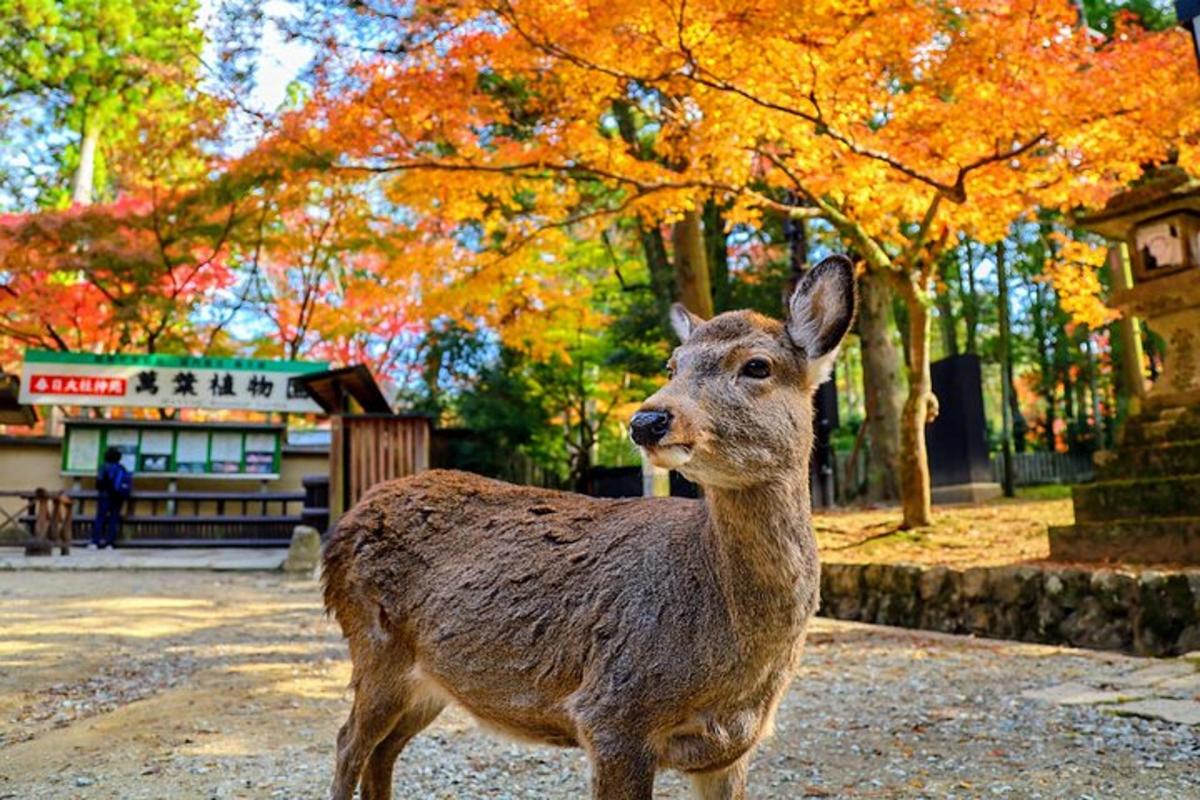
column 902, row 124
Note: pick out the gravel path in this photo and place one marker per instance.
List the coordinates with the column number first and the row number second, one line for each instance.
column 197, row 685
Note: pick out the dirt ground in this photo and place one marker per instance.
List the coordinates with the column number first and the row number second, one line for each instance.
column 988, row 534
column 207, row 685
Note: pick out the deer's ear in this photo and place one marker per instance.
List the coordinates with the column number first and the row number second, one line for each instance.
column 683, row 321
column 820, row 312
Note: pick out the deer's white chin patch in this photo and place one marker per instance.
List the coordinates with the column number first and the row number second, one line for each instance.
column 672, row 456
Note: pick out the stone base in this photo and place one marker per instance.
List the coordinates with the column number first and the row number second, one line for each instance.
column 1145, row 505
column 966, row 493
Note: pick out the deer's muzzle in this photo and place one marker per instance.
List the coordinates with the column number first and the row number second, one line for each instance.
column 649, row 427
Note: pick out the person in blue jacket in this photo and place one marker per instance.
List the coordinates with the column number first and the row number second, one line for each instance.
column 113, row 486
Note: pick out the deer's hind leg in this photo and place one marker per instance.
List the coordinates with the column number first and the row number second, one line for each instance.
column 383, row 703
column 377, row 777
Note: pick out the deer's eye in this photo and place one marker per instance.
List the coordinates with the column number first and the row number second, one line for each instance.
column 757, row 368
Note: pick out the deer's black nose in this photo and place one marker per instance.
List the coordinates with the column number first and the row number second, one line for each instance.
column 647, row 427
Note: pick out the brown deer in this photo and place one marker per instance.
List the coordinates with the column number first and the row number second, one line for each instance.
column 655, row 633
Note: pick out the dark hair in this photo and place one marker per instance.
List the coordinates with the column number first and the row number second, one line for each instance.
column 112, row 455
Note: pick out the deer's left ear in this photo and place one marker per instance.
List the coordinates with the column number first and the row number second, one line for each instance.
column 820, row 312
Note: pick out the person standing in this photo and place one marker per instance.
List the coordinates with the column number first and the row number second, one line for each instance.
column 113, row 486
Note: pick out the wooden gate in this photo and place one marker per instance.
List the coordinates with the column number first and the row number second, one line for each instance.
column 371, row 448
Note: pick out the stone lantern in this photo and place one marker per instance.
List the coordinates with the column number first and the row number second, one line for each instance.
column 1159, row 224
column 1145, row 503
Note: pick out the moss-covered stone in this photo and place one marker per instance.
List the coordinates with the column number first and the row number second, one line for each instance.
column 1155, row 613
column 1177, row 496
column 1166, row 608
column 1162, row 459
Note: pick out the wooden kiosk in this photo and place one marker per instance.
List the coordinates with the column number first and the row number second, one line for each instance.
column 369, row 443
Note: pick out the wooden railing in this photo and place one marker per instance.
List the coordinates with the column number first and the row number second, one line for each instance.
column 182, row 518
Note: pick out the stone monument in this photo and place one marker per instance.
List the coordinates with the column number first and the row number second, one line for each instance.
column 1145, row 503
column 959, row 464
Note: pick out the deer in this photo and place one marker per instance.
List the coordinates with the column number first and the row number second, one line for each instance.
column 656, row 633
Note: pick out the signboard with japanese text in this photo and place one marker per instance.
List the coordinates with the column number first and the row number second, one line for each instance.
column 50, row 377
column 171, row 449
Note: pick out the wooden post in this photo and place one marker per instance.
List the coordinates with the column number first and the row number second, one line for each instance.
column 337, row 481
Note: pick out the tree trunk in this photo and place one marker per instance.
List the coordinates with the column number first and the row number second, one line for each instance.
column 662, row 281
column 1044, row 363
column 85, row 173
column 915, row 484
column 882, row 391
column 971, row 303
column 1006, row 388
column 691, row 265
column 946, row 321
column 1099, row 424
column 718, row 255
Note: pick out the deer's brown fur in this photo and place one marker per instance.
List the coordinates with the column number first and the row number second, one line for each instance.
column 655, row 633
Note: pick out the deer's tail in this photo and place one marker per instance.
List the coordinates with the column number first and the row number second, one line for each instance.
column 336, row 573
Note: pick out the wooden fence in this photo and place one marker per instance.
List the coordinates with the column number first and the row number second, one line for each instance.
column 1032, row 469
column 369, row 449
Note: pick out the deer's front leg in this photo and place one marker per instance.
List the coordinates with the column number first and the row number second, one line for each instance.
column 622, row 769
column 726, row 784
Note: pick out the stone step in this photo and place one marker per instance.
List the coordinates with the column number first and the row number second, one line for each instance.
column 1145, row 541
column 1171, row 425
column 1173, row 458
column 1149, row 498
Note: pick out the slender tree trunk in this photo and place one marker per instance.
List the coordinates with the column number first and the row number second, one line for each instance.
column 691, row 265
column 916, row 485
column 1047, row 382
column 883, row 394
column 662, row 280
column 946, row 321
column 1098, row 423
column 718, row 255
column 85, row 174
column 971, row 303
column 1006, row 386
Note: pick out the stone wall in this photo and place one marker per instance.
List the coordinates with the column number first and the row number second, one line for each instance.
column 1150, row 613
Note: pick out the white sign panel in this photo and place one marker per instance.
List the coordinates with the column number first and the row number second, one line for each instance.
column 84, row 452
column 81, row 379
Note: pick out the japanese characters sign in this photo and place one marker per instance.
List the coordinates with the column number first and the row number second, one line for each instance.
column 84, row 379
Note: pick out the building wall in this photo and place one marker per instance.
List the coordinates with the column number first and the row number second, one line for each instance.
column 31, row 462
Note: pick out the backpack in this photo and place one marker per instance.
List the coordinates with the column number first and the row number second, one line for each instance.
column 122, row 482
column 114, row 479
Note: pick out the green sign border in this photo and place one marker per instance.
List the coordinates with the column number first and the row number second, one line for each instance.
column 177, row 362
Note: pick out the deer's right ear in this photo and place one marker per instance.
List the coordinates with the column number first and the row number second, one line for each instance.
column 683, row 321
column 820, row 312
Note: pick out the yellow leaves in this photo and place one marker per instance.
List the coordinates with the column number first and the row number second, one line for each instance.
column 509, row 133
column 1074, row 271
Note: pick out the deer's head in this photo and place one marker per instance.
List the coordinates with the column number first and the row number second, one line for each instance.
column 737, row 408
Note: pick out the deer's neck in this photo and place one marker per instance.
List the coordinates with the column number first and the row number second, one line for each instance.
column 764, row 549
